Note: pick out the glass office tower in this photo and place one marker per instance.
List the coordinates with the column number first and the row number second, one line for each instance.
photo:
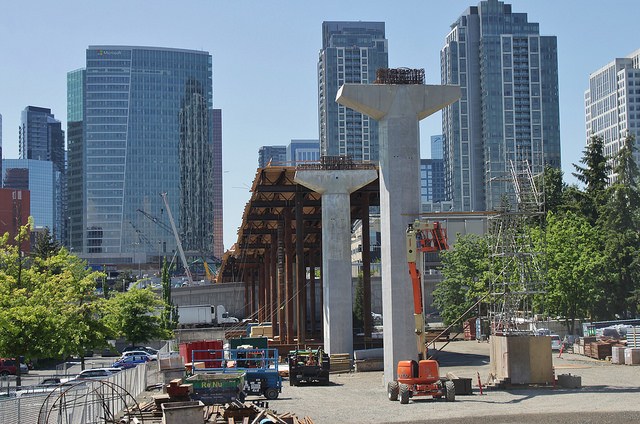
column 40, row 137
column 509, row 109
column 141, row 123
column 351, row 52
column 39, row 177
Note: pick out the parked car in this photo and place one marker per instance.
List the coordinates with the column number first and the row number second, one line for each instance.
column 8, row 367
column 556, row 342
column 92, row 374
column 131, row 361
column 50, row 381
column 152, row 357
column 149, row 350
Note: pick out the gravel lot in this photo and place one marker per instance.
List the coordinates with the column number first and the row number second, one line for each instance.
column 610, row 393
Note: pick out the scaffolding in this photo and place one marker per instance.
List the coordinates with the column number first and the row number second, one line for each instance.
column 520, row 274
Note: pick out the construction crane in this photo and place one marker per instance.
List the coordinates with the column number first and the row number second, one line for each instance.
column 179, row 244
column 421, row 378
column 156, row 221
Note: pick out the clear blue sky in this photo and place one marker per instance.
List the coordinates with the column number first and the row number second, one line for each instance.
column 265, row 55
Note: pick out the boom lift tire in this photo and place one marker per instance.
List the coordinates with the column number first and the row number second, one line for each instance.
column 405, row 393
column 392, row 390
column 450, row 391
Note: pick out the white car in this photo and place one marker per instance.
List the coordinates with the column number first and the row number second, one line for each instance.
column 556, row 342
column 92, row 374
column 152, row 357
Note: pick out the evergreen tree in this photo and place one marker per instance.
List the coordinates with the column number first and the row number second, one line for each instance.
column 594, row 175
column 621, row 224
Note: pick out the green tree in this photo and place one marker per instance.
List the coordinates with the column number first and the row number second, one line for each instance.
column 45, row 245
column 621, row 224
column 170, row 315
column 574, row 260
column 594, row 175
column 465, row 268
column 43, row 302
column 358, row 303
column 135, row 315
column 553, row 188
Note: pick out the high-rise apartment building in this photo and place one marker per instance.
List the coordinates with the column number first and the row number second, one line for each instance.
column 612, row 103
column 303, row 151
column 274, row 155
column 142, row 123
column 351, row 52
column 508, row 112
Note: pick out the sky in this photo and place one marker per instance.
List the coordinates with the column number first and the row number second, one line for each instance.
column 265, row 56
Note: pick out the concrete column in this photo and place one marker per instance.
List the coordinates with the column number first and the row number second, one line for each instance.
column 366, row 265
column 288, row 248
column 335, row 186
column 398, row 108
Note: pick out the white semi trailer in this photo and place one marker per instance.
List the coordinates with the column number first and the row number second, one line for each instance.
column 204, row 315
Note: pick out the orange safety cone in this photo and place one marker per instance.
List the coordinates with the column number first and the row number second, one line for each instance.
column 479, row 383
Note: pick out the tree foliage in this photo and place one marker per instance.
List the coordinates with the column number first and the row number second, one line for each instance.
column 466, row 272
column 135, row 316
column 47, row 302
column 170, row 315
column 574, row 261
column 594, row 175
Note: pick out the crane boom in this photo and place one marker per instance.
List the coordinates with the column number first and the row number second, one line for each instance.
column 175, row 233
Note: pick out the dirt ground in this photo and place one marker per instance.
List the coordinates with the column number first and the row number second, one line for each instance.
column 609, row 393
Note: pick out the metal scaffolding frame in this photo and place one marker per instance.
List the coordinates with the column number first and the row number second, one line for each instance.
column 520, row 274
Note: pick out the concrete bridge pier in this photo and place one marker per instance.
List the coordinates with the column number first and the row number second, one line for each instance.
column 398, row 108
column 335, row 186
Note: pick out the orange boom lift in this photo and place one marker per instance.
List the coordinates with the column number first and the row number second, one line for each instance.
column 422, row 377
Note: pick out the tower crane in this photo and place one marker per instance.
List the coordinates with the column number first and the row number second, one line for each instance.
column 175, row 233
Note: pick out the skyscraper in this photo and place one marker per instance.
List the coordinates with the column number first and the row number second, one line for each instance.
column 142, row 123
column 41, row 138
column 612, row 103
column 509, row 109
column 276, row 155
column 37, row 176
column 1, row 149
column 431, row 181
column 303, row 151
column 437, row 146
column 351, row 52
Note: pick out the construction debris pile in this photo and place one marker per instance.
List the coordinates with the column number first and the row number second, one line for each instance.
column 166, row 410
column 611, row 345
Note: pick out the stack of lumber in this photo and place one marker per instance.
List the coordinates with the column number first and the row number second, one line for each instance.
column 231, row 413
column 599, row 350
column 340, row 362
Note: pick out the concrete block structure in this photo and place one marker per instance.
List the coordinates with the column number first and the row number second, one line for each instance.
column 398, row 105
